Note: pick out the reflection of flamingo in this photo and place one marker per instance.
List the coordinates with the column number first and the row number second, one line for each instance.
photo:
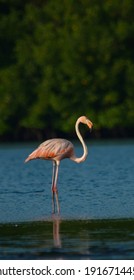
column 58, row 149
column 56, row 232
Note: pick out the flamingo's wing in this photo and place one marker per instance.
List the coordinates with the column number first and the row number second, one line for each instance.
column 56, row 149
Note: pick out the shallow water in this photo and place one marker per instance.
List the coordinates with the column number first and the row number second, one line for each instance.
column 68, row 239
column 96, row 199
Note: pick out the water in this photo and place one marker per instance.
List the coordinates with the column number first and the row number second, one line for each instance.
column 96, row 200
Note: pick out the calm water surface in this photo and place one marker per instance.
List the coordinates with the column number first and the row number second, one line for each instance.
column 96, row 199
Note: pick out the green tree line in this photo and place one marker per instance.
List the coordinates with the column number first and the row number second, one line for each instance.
column 62, row 59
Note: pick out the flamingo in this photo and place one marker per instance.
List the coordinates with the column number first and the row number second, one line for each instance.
column 57, row 149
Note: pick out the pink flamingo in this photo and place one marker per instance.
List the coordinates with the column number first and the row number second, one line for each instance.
column 58, row 149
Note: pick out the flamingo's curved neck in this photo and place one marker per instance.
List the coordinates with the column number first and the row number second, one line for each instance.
column 85, row 150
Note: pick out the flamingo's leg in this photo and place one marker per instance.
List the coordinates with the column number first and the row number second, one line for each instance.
column 53, row 176
column 54, row 187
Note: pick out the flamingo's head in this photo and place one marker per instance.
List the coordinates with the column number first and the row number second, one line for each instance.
column 85, row 120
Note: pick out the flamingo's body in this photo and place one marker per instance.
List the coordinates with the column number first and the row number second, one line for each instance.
column 54, row 149
column 57, row 149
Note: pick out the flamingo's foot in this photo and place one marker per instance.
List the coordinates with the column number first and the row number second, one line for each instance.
column 55, row 198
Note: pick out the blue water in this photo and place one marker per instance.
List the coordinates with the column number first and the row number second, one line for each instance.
column 100, row 187
column 92, row 196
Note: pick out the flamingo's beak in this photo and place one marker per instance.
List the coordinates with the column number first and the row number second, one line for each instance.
column 89, row 124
